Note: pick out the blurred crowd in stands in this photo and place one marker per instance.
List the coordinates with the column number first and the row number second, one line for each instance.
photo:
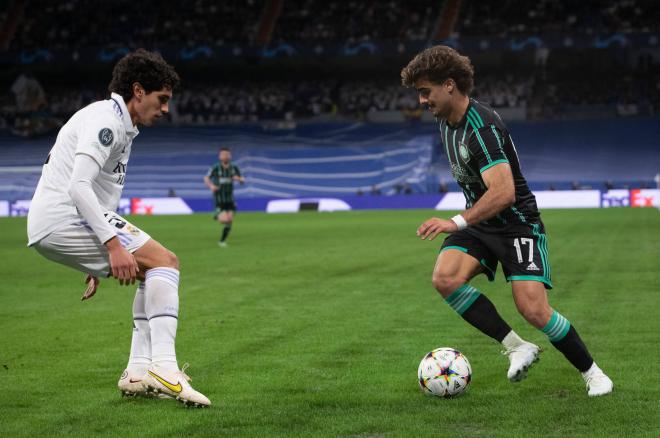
column 629, row 94
column 352, row 21
column 34, row 105
column 602, row 17
column 76, row 23
column 72, row 24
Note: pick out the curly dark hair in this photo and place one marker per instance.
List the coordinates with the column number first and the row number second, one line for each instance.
column 437, row 64
column 147, row 68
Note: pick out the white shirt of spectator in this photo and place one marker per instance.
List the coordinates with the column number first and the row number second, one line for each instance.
column 104, row 131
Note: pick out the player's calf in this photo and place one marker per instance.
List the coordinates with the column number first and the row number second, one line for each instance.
column 565, row 338
column 225, row 233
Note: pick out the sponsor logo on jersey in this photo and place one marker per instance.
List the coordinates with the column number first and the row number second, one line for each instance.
column 461, row 174
column 106, row 136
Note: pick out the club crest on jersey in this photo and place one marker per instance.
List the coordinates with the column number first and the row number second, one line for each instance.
column 463, row 151
column 106, row 136
column 131, row 229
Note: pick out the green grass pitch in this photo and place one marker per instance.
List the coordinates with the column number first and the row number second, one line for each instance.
column 314, row 324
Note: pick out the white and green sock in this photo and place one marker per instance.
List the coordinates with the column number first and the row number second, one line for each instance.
column 479, row 311
column 566, row 339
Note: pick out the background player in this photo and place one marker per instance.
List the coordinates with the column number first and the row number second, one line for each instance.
column 220, row 179
column 72, row 219
column 501, row 222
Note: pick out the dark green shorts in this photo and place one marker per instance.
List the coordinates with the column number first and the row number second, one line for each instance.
column 521, row 249
column 223, row 206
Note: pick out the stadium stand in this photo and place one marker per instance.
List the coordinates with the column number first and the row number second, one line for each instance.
column 79, row 23
column 557, row 111
column 316, row 20
column 591, row 17
column 628, row 92
column 343, row 159
column 49, row 24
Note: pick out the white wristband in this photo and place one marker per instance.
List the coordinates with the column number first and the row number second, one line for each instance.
column 460, row 222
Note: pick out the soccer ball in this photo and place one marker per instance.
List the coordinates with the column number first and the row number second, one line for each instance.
column 444, row 372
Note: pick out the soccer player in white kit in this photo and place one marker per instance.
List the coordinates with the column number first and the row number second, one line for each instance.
column 72, row 220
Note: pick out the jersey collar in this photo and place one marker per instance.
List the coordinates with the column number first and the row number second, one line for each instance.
column 122, row 111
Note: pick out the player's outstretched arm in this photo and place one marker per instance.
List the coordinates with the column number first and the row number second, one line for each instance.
column 210, row 185
column 501, row 194
column 430, row 229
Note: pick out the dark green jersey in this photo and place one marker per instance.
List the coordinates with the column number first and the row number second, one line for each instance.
column 223, row 177
column 478, row 142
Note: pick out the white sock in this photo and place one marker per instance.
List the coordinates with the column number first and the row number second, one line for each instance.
column 162, row 309
column 140, row 357
column 512, row 340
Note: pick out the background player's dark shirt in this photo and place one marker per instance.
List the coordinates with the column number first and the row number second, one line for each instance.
column 479, row 142
column 223, row 178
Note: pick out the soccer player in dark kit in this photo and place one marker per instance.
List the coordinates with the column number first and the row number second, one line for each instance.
column 220, row 180
column 501, row 222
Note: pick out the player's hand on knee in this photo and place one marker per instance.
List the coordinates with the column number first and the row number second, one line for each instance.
column 92, row 285
column 430, row 229
column 123, row 264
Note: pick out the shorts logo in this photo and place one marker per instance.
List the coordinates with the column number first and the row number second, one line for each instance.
column 532, row 267
column 463, row 151
column 106, row 136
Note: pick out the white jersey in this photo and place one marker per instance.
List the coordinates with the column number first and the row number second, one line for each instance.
column 104, row 131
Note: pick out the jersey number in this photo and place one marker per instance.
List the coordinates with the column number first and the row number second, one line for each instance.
column 518, row 243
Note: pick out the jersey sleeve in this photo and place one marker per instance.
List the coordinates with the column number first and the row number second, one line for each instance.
column 85, row 171
column 97, row 139
column 486, row 145
column 212, row 172
column 237, row 171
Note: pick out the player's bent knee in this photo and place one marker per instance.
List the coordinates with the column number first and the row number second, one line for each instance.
column 537, row 316
column 154, row 255
column 446, row 284
column 171, row 260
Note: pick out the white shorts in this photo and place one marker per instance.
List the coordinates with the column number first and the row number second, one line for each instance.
column 77, row 246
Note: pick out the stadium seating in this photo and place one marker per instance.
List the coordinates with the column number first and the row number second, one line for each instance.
column 589, row 17
column 344, row 159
